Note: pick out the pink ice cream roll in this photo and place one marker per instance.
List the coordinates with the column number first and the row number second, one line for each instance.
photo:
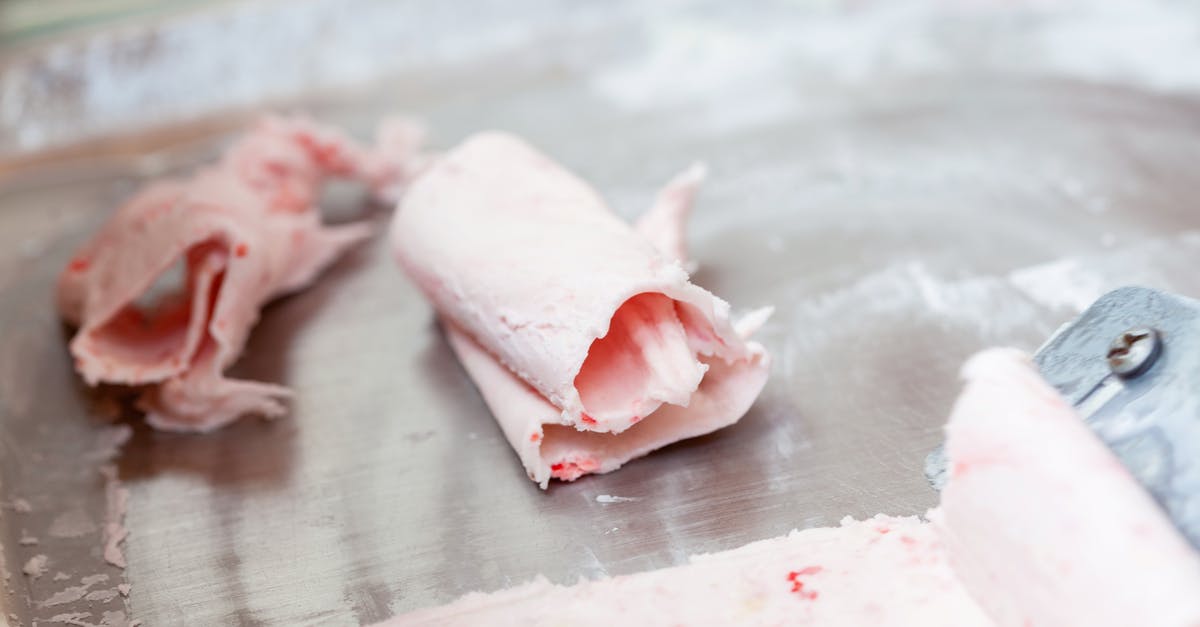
column 583, row 334
column 247, row 230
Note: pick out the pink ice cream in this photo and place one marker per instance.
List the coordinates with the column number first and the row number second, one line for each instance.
column 248, row 230
column 881, row 571
column 1040, row 526
column 583, row 335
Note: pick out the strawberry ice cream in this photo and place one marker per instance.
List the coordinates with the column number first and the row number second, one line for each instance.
column 881, row 571
column 588, row 342
column 247, row 230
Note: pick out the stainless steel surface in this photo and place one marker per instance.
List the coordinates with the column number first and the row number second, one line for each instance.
column 898, row 222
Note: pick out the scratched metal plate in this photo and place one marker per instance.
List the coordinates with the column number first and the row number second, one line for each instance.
column 898, row 223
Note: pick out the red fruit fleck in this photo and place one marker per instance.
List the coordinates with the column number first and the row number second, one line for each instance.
column 635, row 420
column 883, row 530
column 798, row 585
column 909, row 540
column 326, row 154
column 240, row 250
column 534, row 437
column 960, row 469
column 588, row 420
column 79, row 264
column 556, row 467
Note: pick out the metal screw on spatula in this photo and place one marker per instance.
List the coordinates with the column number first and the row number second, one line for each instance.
column 1133, row 352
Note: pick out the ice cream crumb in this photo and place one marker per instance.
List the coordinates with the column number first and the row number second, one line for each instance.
column 27, row 540
column 114, row 519
column 608, row 498
column 61, row 576
column 21, row 506
column 36, row 566
column 73, row 618
column 124, row 589
column 74, row 593
column 1063, row 284
column 103, row 596
column 67, row 595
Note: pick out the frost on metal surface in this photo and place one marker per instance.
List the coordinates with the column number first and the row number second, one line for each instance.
column 124, row 79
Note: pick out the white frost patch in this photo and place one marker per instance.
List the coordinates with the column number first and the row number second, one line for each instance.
column 1074, row 283
column 1129, row 41
column 689, row 59
column 1063, row 284
column 988, row 304
column 608, row 498
column 739, row 70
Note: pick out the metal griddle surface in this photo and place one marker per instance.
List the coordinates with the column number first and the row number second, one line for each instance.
column 897, row 224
